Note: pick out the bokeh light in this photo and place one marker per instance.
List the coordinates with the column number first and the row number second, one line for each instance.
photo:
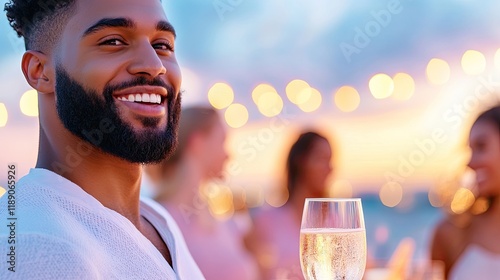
column 473, row 62
column 267, row 100
column 295, row 91
column 29, row 103
column 438, row 71
column 435, row 198
column 236, row 115
column 262, row 90
column 220, row 95
column 220, row 200
column 381, row 86
column 497, row 59
column 270, row 104
column 480, row 206
column 347, row 99
column 2, row 191
column 404, row 86
column 391, row 194
column 276, row 197
column 462, row 201
column 313, row 102
column 4, row 116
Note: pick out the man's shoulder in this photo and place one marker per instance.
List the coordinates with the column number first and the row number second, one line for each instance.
column 42, row 256
column 36, row 208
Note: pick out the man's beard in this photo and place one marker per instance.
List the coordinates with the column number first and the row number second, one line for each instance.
column 94, row 118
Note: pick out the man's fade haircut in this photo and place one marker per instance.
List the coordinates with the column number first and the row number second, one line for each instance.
column 40, row 22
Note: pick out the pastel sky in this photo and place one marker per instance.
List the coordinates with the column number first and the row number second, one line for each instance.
column 328, row 44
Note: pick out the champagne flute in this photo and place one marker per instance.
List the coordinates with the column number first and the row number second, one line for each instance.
column 333, row 239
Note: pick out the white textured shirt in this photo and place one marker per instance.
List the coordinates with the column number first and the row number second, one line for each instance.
column 62, row 232
column 476, row 263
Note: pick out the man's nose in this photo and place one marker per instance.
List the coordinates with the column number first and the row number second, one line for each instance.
column 146, row 62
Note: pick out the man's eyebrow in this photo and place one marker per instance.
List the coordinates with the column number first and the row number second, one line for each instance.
column 165, row 26
column 107, row 23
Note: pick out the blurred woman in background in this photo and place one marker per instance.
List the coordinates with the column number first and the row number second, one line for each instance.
column 216, row 246
column 275, row 237
column 472, row 250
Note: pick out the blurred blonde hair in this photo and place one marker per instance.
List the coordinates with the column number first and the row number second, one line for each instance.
column 193, row 120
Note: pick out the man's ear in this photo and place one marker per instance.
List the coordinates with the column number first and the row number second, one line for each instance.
column 38, row 71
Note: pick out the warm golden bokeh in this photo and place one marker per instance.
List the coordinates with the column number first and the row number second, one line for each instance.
column 220, row 95
column 381, row 86
column 347, row 99
column 262, row 90
column 391, row 194
column 462, row 201
column 236, row 115
column 267, row 100
column 220, row 200
column 294, row 89
column 480, row 206
column 311, row 103
column 473, row 62
column 2, row 191
column 4, row 116
column 304, row 95
column 435, row 198
column 404, row 86
column 276, row 198
column 270, row 105
column 438, row 71
column 29, row 103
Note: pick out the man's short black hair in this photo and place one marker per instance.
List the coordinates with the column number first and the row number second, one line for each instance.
column 40, row 22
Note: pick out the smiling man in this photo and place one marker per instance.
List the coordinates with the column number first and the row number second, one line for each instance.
column 108, row 91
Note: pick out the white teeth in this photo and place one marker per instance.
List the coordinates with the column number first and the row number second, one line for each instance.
column 144, row 97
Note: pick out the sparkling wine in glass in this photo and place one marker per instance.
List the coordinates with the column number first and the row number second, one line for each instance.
column 333, row 239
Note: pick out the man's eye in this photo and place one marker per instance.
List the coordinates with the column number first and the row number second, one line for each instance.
column 112, row 42
column 163, row 47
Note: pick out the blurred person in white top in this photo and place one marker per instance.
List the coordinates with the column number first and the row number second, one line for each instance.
column 217, row 246
column 468, row 244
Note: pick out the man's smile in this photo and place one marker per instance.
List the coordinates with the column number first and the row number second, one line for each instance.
column 144, row 100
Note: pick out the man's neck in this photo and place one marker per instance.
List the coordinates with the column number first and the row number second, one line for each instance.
column 112, row 181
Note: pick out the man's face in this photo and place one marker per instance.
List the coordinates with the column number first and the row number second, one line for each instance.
column 116, row 64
